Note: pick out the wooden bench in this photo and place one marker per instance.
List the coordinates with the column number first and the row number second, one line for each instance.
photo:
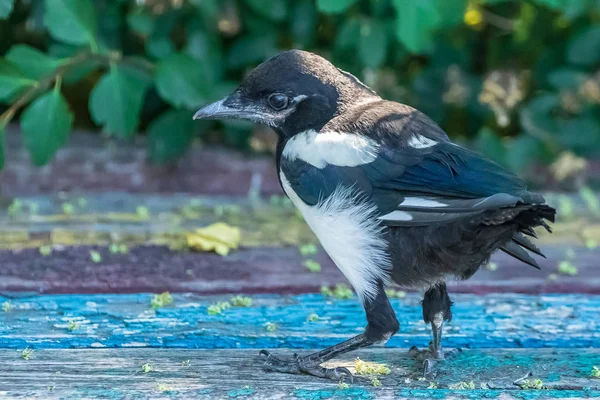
column 116, row 346
column 77, row 326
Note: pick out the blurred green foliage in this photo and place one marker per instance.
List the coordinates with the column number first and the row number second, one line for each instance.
column 520, row 80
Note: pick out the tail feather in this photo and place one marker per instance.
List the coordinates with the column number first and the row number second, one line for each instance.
column 529, row 232
column 535, row 215
column 513, row 249
column 522, row 241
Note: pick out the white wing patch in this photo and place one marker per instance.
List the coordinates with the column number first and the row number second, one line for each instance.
column 397, row 216
column 336, row 148
column 420, row 142
column 418, row 202
column 350, row 235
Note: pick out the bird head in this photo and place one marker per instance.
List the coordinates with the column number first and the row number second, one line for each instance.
column 292, row 92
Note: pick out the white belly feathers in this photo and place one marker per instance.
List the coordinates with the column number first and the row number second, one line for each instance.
column 348, row 231
column 350, row 235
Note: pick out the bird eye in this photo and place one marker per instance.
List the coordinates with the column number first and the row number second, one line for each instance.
column 278, row 101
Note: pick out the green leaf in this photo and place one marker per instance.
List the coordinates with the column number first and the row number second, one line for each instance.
column 12, row 81
column 490, row 145
column 208, row 13
column 160, row 44
column 46, row 125
column 76, row 73
column 116, row 102
column 416, row 22
column 303, row 25
column 276, row 10
column 567, row 78
column 160, row 47
column 523, row 151
column 6, row 7
column 206, row 48
column 536, row 117
column 554, row 4
column 429, row 86
column 334, row 6
column 207, row 7
column 372, row 46
column 170, row 136
column 453, row 12
column 581, row 135
column 141, row 22
column 348, row 34
column 182, row 81
column 584, row 48
column 569, row 8
column 250, row 50
column 71, row 21
column 31, row 62
column 2, row 149
column 2, row 127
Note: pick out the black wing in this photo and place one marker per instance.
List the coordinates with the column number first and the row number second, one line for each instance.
column 425, row 185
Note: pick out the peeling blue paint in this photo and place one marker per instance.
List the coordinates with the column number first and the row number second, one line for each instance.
column 240, row 393
column 493, row 394
column 556, row 394
column 306, row 394
column 491, row 321
column 350, row 393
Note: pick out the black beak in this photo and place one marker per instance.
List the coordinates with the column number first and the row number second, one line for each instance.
column 218, row 110
column 233, row 107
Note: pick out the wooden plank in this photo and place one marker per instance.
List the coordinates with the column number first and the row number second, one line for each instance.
column 254, row 270
column 83, row 321
column 210, row 374
column 101, row 218
column 269, row 260
column 274, row 222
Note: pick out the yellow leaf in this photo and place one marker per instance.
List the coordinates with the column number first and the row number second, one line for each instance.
column 219, row 237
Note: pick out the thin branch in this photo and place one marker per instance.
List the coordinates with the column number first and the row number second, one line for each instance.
column 498, row 21
column 140, row 63
column 47, row 81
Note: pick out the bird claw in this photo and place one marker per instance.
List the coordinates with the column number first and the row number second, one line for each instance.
column 298, row 366
column 431, row 353
column 431, row 358
column 429, row 368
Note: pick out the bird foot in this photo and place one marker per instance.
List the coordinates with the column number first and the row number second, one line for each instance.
column 431, row 358
column 300, row 366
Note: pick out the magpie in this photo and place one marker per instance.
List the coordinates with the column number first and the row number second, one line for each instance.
column 389, row 196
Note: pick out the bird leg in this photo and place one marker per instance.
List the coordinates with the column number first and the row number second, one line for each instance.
column 436, row 309
column 311, row 364
column 382, row 324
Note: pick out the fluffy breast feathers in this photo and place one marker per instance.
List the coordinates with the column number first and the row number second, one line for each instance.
column 350, row 234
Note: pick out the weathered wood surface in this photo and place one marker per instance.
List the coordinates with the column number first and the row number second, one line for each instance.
column 269, row 260
column 97, row 217
column 554, row 337
column 253, row 270
column 108, row 217
column 218, row 374
column 81, row 321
